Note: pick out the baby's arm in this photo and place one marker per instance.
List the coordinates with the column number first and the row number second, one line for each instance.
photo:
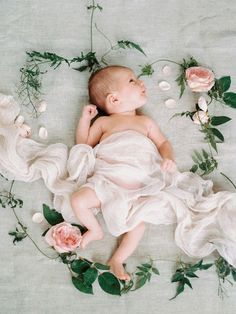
column 86, row 134
column 163, row 145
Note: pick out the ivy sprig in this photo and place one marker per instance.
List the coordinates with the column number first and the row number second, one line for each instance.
column 18, row 235
column 224, row 270
column 184, row 272
column 204, row 162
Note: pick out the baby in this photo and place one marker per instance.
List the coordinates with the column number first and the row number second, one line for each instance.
column 119, row 93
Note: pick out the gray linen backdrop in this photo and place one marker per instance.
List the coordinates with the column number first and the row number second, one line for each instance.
column 31, row 283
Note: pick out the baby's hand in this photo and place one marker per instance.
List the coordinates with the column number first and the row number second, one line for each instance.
column 168, row 165
column 89, row 112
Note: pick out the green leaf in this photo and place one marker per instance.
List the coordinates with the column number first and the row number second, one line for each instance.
column 148, row 266
column 141, row 282
column 224, row 83
column 144, row 269
column 218, row 134
column 194, row 168
column 146, row 70
column 90, row 275
column 109, row 283
column 205, row 154
column 179, row 290
column 82, row 286
column 52, row 216
column 191, row 274
column 230, row 99
column 79, row 266
column 177, row 277
column 186, row 280
column 217, row 120
column 102, row 266
column 233, row 272
column 155, row 271
column 205, row 266
column 129, row 44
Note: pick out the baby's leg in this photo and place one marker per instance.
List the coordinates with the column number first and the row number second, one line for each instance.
column 127, row 246
column 82, row 201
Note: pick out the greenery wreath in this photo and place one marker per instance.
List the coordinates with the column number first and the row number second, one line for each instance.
column 84, row 272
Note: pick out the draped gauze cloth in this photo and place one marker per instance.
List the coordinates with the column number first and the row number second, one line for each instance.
column 124, row 170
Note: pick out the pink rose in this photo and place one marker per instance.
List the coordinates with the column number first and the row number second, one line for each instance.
column 200, row 79
column 63, row 237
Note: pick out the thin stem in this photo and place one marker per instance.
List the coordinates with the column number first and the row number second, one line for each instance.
column 24, row 228
column 228, row 179
column 165, row 60
column 91, row 26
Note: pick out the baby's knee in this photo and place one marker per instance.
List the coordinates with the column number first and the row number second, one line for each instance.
column 76, row 200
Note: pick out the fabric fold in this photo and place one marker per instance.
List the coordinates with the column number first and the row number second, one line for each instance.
column 124, row 171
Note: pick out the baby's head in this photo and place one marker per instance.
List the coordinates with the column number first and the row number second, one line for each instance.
column 116, row 89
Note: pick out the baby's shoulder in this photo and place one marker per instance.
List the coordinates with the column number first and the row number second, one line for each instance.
column 149, row 122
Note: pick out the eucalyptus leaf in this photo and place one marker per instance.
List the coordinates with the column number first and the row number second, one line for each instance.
column 101, row 266
column 51, row 215
column 90, row 275
column 82, row 286
column 109, row 283
column 79, row 266
column 218, row 134
column 217, row 120
column 129, row 44
column 230, row 99
column 224, row 83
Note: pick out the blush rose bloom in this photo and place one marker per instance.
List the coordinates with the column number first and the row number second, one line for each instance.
column 63, row 237
column 200, row 79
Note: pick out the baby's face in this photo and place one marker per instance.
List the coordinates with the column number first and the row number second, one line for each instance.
column 130, row 90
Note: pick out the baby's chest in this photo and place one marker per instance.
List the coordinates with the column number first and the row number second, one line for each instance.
column 118, row 125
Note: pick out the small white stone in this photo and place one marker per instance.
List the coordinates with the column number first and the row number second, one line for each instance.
column 38, row 218
column 19, row 120
column 43, row 133
column 166, row 70
column 164, row 85
column 170, row 103
column 25, row 130
column 42, row 106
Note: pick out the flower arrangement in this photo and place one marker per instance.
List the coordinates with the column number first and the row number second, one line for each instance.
column 64, row 238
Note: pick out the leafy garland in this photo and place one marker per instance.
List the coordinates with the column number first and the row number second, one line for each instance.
column 84, row 272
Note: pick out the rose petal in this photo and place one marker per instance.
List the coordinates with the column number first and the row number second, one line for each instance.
column 43, row 133
column 202, row 103
column 164, row 85
column 170, row 103
column 42, row 106
column 166, row 70
column 38, row 218
column 19, row 120
column 25, row 130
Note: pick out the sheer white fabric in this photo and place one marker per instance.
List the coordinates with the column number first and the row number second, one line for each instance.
column 124, row 170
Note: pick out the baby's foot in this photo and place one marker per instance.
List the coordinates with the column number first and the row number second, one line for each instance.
column 89, row 236
column 118, row 269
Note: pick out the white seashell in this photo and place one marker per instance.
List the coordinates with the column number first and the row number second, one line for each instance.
column 38, row 218
column 164, row 85
column 166, row 70
column 170, row 103
column 43, row 133
column 25, row 130
column 19, row 120
column 42, row 106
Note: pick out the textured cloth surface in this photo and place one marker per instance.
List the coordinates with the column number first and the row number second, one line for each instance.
column 31, row 283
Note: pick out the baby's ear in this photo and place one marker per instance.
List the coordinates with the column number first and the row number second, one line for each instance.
column 111, row 101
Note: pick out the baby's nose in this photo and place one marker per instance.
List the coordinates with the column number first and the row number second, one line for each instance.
column 141, row 82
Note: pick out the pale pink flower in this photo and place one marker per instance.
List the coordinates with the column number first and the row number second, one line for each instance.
column 200, row 117
column 202, row 104
column 63, row 237
column 25, row 130
column 200, row 79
